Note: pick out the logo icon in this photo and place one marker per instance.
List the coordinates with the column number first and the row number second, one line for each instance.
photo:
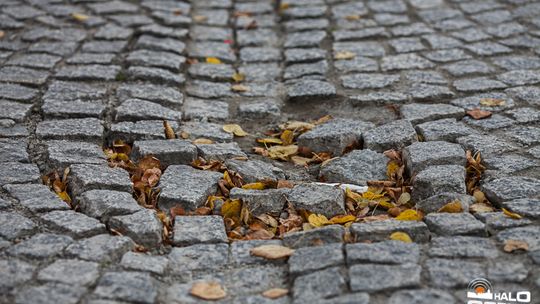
column 480, row 289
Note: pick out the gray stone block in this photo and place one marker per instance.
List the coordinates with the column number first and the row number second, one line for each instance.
column 189, row 230
column 314, row 237
column 14, row 225
column 143, row 227
column 41, row 246
column 319, row 285
column 373, row 277
column 241, row 252
column 85, row 177
column 102, row 204
column 455, row 224
column 255, row 170
column 420, row 155
column 379, row 231
column 145, row 262
column 36, row 197
column 317, row 198
column 509, row 188
column 70, row 272
column 127, row 286
column 259, row 202
column 453, row 273
column 394, row 135
column 437, row 201
column 346, row 168
column 198, row 257
column 463, row 247
column 529, row 234
column 100, row 248
column 220, row 151
column 62, row 153
column 524, row 206
column 51, row 292
column 386, row 252
column 168, row 151
column 421, row 296
column 309, row 259
column 138, row 109
column 16, row 173
column 14, row 272
column 73, row 223
column 438, row 179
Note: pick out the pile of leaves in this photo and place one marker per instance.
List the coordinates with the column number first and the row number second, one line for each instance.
column 280, row 143
column 58, row 184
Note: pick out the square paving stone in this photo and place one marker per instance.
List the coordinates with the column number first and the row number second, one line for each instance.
column 140, row 130
column 62, row 153
column 73, row 223
column 51, row 292
column 526, row 135
column 364, row 48
column 23, row 75
column 72, row 109
column 260, row 54
column 16, row 173
column 207, row 89
column 438, row 179
column 387, row 252
column 213, row 72
column 493, row 122
column 479, row 84
column 455, row 224
column 166, row 60
column 144, row 262
column 13, row 150
column 8, row 128
column 256, row 37
column 304, row 39
column 75, row 90
column 468, row 67
column 306, row 70
column 220, row 151
column 509, row 188
column 373, row 277
column 422, row 296
column 334, row 136
column 256, row 279
column 160, row 44
column 41, row 246
column 138, row 109
column 14, row 272
column 525, row 115
column 199, row 257
column 70, row 272
column 205, row 49
column 309, row 259
column 423, row 91
column 260, row 202
column 260, row 71
column 157, row 75
column 507, row 272
column 319, row 285
column 255, row 170
column 394, row 135
column 189, row 230
column 453, row 273
column 200, row 109
column 207, row 130
column 318, row 198
column 90, row 129
column 314, row 237
column 306, row 89
column 525, row 206
column 436, row 202
column 380, row 231
column 162, row 94
column 14, row 110
column 17, row 92
column 527, row 234
column 127, row 286
column 42, row 61
column 447, row 129
column 102, row 204
column 143, row 227
column 486, row 144
column 496, row 221
column 36, row 197
column 447, row 55
column 15, row 225
column 463, row 247
column 368, row 81
column 187, row 187
column 344, row 169
column 419, row 113
column 265, row 109
column 509, row 163
column 84, row 177
column 420, row 155
column 100, row 248
column 241, row 252
column 405, row 62
column 357, row 64
column 168, row 151
column 88, row 72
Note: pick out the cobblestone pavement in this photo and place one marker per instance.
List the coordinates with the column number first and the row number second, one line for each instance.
column 77, row 74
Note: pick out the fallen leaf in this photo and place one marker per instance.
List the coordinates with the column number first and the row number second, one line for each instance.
column 208, row 291
column 479, row 196
column 240, row 88
column 282, row 152
column 297, row 125
column 234, row 129
column 409, row 215
column 238, row 77
column 275, row 293
column 270, row 140
column 513, row 245
column 479, row 114
column 80, row 17
column 404, row 198
column 511, row 214
column 401, row 236
column 169, row 132
column 318, row 220
column 204, row 141
column 231, row 208
column 343, row 219
column 287, row 137
column 272, row 252
column 492, row 102
column 352, row 17
column 213, row 60
column 452, row 207
column 254, row 186
column 199, row 18
column 480, row 208
column 344, row 55
column 391, row 168
column 300, row 161
column 2, row 34
column 284, row 5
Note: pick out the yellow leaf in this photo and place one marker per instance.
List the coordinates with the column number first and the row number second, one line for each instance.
column 409, row 215
column 513, row 245
column 231, row 208
column 511, row 214
column 238, row 77
column 199, row 18
column 275, row 293
column 270, row 140
column 79, row 17
column 401, row 236
column 352, row 17
column 300, row 161
column 240, row 88
column 284, row 5
column 404, row 198
column 64, row 196
column 452, row 207
column 228, row 179
column 234, row 129
column 213, row 60
column 492, row 102
column 479, row 196
column 204, row 141
column 272, row 252
column 318, row 220
column 282, row 152
column 391, row 168
column 287, row 137
column 254, row 186
column 297, row 125
column 169, row 132
column 386, row 204
column 343, row 219
column 208, row 291
column 353, row 195
column 344, row 55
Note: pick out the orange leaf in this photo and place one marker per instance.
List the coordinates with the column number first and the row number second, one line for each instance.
column 478, row 114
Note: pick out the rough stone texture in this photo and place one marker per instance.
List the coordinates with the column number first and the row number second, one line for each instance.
column 371, row 277
column 100, row 248
column 72, row 223
column 387, row 252
column 86, row 177
column 36, row 197
column 254, row 170
column 270, row 201
column 127, row 286
column 393, row 135
column 198, row 257
column 438, row 179
column 419, row 113
column 169, row 152
column 345, row 168
column 41, row 246
column 143, row 262
column 314, row 237
column 62, row 153
column 15, row 225
column 463, row 247
column 220, row 151
column 378, row 231
column 70, row 272
column 317, row 198
column 102, row 204
column 187, row 187
column 309, row 259
column 420, row 155
column 509, row 188
column 143, row 227
column 190, row 230
column 437, row 201
column 452, row 273
column 16, row 173
column 454, row 224
column 319, row 285
column 334, row 136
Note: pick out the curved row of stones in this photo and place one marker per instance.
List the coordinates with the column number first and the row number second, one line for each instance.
column 67, row 87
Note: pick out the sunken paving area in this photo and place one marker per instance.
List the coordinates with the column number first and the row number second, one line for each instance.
column 264, row 151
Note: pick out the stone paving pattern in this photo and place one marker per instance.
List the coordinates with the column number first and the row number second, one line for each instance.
column 68, row 87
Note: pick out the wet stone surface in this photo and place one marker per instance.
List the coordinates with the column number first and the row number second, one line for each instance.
column 76, row 76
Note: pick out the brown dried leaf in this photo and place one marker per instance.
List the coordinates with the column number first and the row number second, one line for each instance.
column 79, row 17
column 452, row 207
column 272, row 252
column 2, row 34
column 240, row 88
column 169, row 132
column 479, row 114
column 200, row 141
column 282, row 152
column 287, row 137
column 513, row 245
column 234, row 129
column 275, row 293
column 208, row 291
